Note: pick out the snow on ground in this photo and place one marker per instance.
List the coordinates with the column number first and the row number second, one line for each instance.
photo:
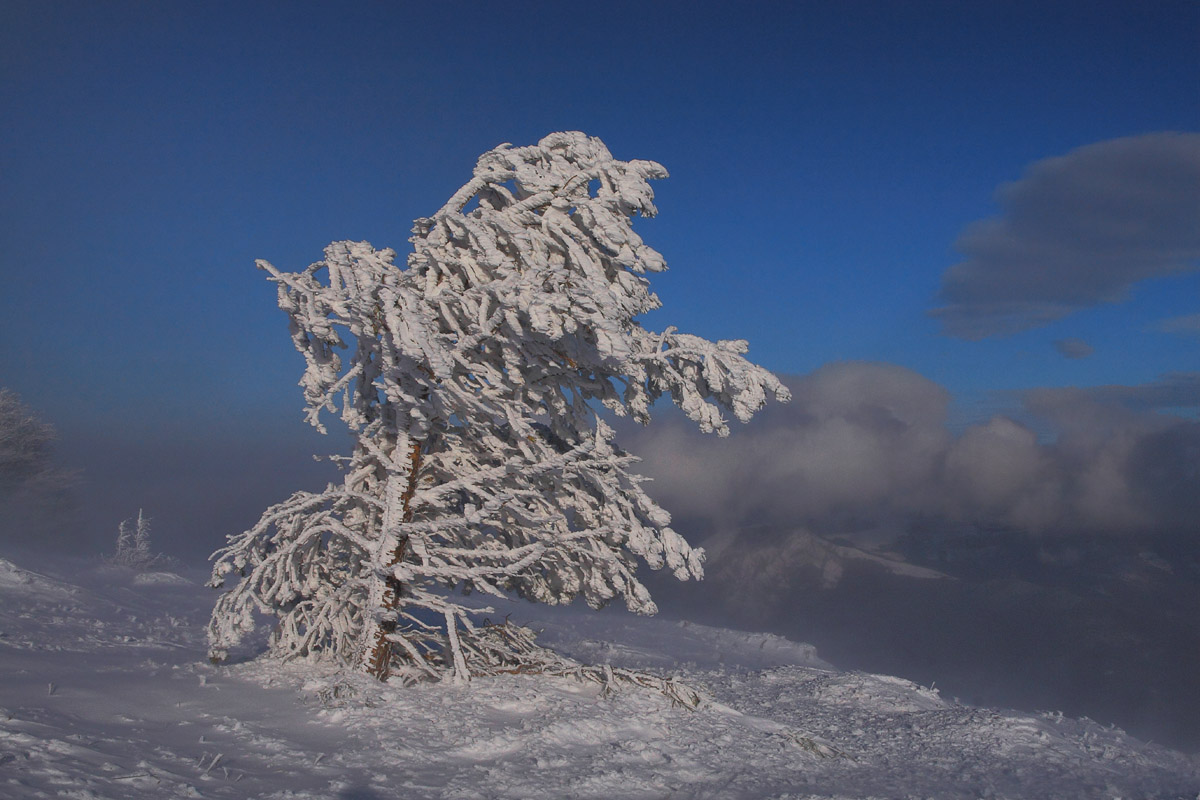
column 106, row 694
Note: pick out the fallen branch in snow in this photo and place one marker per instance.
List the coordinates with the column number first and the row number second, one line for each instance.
column 133, row 776
column 213, row 763
column 508, row 649
column 532, row 658
column 773, row 728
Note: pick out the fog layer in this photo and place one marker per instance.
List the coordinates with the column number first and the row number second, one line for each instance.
column 1047, row 559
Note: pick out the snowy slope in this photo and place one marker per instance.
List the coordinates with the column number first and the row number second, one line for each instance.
column 106, row 695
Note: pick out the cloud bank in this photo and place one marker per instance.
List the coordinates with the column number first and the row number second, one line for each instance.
column 1077, row 231
column 863, row 451
column 1069, row 531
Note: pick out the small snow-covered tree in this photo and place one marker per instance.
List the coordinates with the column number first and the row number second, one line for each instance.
column 471, row 379
column 141, row 536
column 133, row 545
column 125, row 539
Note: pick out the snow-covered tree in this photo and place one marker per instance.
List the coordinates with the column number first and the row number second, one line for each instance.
column 133, row 545
column 471, row 379
column 36, row 497
column 25, row 447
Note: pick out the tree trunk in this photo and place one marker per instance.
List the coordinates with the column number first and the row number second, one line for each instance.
column 397, row 511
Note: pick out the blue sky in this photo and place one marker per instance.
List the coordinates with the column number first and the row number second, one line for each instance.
column 825, row 158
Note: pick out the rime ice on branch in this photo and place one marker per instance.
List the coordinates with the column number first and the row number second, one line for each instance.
column 469, row 380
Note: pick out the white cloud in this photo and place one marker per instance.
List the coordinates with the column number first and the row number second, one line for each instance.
column 864, row 447
column 1175, row 390
column 1077, row 231
column 998, row 473
column 855, row 437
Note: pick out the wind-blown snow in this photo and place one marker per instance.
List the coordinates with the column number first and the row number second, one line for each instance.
column 15, row 579
column 106, row 694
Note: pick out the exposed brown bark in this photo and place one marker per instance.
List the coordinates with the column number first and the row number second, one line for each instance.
column 381, row 648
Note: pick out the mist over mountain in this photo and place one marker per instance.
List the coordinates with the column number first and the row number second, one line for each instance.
column 1049, row 563
column 1091, row 626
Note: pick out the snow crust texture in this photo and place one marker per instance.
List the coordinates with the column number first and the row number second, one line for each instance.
column 106, row 694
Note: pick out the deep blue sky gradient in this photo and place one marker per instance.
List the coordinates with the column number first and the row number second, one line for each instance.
column 824, row 157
